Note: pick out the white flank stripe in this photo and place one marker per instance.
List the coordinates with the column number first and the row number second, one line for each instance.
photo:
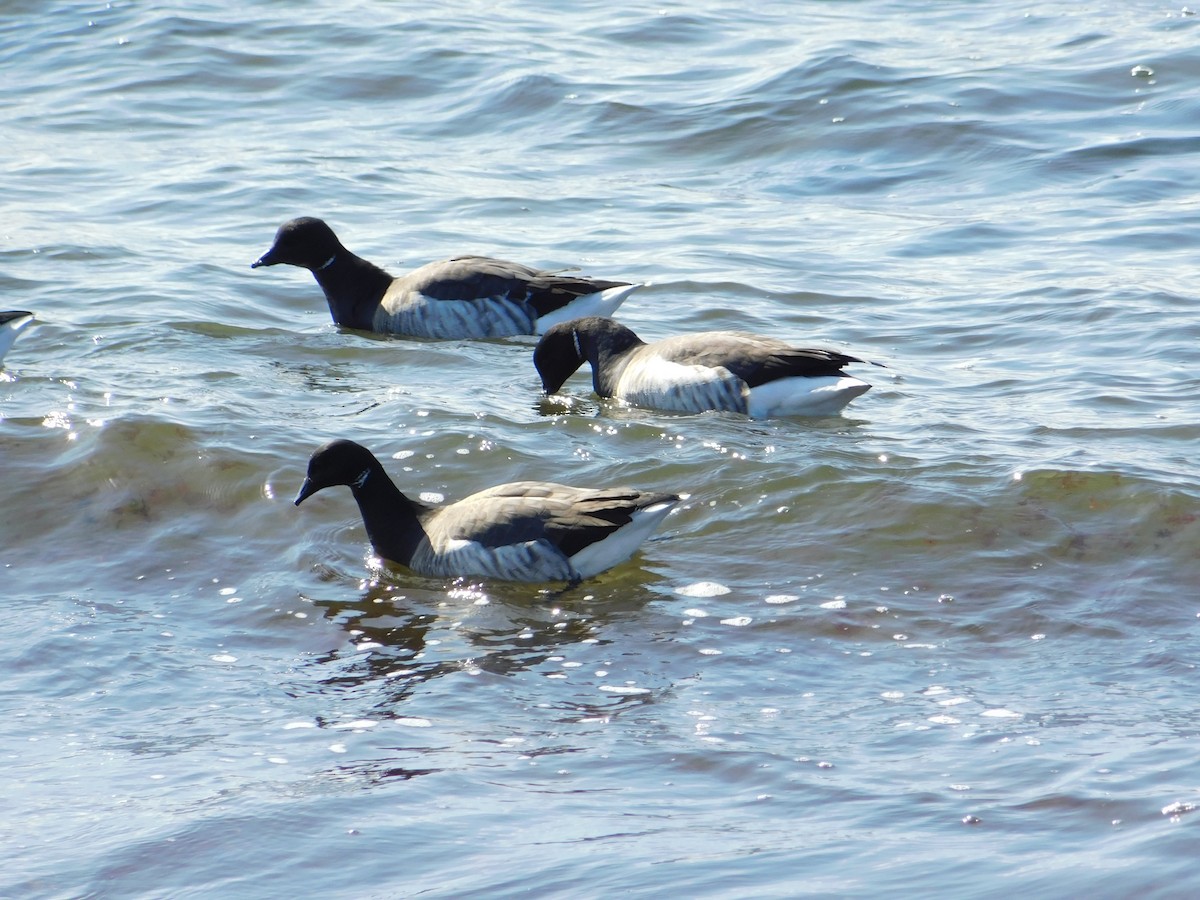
column 420, row 316
column 528, row 561
column 650, row 380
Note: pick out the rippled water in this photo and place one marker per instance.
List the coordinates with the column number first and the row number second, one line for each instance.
column 942, row 644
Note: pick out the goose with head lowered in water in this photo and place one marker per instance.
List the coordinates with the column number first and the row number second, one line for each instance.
column 713, row 370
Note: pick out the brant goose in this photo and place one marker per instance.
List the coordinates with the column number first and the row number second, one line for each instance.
column 525, row 531
column 713, row 370
column 464, row 297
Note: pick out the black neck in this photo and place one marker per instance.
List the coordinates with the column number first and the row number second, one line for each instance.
column 353, row 289
column 606, row 353
column 393, row 524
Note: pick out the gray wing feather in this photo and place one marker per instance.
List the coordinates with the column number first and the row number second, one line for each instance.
column 563, row 518
column 752, row 357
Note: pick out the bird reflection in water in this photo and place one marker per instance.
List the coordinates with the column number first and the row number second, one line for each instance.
column 404, row 636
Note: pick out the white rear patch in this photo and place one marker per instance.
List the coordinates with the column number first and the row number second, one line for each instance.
column 9, row 331
column 601, row 303
column 621, row 544
column 821, row 396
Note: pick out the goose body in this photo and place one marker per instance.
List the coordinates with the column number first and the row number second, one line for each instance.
column 11, row 323
column 524, row 531
column 463, row 297
column 714, row 370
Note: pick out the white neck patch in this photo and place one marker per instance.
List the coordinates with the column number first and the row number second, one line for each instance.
column 326, row 264
column 578, row 346
column 361, row 479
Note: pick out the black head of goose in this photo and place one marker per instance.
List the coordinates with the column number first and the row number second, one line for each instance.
column 463, row 297
column 713, row 370
column 524, row 531
column 11, row 323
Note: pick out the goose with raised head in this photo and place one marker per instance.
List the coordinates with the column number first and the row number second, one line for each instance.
column 524, row 531
column 463, row 297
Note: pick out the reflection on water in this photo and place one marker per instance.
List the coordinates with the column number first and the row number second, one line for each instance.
column 402, row 635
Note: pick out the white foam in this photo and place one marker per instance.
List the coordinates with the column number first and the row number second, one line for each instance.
column 703, row 589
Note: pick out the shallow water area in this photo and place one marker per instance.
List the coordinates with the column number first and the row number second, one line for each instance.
column 941, row 644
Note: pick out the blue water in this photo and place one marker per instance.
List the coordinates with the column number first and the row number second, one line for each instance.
column 944, row 644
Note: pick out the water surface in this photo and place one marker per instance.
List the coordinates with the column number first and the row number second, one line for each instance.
column 942, row 644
